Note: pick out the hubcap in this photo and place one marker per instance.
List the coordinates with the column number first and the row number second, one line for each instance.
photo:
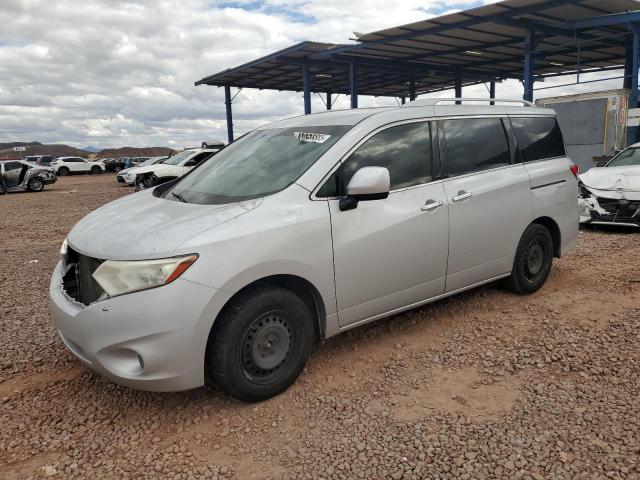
column 534, row 259
column 266, row 346
column 36, row 185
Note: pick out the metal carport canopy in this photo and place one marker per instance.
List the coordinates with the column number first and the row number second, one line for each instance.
column 519, row 39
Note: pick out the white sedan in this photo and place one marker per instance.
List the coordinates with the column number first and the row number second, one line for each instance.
column 171, row 168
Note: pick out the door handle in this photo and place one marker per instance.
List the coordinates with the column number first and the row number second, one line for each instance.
column 462, row 195
column 431, row 205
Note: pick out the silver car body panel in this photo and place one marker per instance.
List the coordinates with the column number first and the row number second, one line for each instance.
column 420, row 244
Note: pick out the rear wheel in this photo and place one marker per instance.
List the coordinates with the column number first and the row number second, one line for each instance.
column 63, row 171
column 35, row 184
column 259, row 344
column 532, row 264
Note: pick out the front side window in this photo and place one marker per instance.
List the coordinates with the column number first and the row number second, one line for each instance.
column 538, row 138
column 405, row 150
column 626, row 158
column 260, row 163
column 475, row 144
column 179, row 157
column 12, row 166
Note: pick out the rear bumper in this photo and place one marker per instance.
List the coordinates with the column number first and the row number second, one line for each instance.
column 151, row 340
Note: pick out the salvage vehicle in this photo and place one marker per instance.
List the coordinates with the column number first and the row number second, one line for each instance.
column 127, row 176
column 20, row 176
column 170, row 169
column 69, row 165
column 306, row 228
column 610, row 194
column 44, row 160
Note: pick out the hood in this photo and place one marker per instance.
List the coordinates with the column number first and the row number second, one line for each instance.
column 157, row 169
column 613, row 182
column 141, row 226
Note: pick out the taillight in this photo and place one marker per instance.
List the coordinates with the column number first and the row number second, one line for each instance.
column 575, row 170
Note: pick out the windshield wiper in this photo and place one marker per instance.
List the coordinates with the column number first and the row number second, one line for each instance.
column 179, row 197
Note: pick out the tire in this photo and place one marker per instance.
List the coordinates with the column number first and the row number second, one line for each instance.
column 532, row 264
column 117, row 169
column 259, row 344
column 63, row 171
column 35, row 184
column 95, row 170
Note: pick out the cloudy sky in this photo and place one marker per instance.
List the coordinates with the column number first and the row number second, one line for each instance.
column 108, row 73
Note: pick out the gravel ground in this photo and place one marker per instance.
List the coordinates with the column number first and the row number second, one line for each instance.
column 483, row 385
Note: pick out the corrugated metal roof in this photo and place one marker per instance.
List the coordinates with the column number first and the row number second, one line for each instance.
column 482, row 43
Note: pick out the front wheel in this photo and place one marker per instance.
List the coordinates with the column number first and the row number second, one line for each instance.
column 259, row 344
column 532, row 264
column 95, row 170
column 35, row 185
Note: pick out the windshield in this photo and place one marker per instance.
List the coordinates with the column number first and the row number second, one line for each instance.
column 260, row 163
column 151, row 161
column 178, row 157
column 626, row 158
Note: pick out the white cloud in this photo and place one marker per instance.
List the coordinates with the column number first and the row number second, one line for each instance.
column 111, row 73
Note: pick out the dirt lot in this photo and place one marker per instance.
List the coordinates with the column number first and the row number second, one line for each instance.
column 483, row 385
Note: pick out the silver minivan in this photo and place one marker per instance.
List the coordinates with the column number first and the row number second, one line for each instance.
column 308, row 227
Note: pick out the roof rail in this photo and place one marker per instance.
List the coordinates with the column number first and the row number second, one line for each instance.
column 436, row 101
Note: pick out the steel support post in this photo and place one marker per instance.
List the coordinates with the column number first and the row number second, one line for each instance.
column 353, row 84
column 306, row 87
column 529, row 52
column 227, row 103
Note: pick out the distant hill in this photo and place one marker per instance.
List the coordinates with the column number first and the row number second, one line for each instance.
column 61, row 150
column 40, row 149
column 10, row 145
column 135, row 152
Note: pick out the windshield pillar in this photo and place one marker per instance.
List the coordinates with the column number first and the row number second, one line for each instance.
column 306, row 86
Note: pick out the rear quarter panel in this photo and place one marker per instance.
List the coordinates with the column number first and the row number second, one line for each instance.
column 554, row 193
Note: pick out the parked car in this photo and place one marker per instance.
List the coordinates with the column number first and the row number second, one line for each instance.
column 171, row 168
column 309, row 227
column 44, row 160
column 610, row 193
column 113, row 164
column 69, row 165
column 128, row 177
column 20, row 175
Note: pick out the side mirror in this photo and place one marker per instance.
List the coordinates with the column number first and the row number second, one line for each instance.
column 601, row 163
column 368, row 183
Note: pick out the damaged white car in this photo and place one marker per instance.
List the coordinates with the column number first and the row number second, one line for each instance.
column 611, row 193
column 20, row 176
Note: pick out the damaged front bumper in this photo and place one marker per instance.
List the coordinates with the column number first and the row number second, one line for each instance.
column 602, row 210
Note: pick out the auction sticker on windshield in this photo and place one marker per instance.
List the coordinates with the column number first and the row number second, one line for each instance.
column 311, row 137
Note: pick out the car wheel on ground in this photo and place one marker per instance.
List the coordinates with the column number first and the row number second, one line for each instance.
column 533, row 260
column 95, row 170
column 259, row 344
column 63, row 171
column 36, row 184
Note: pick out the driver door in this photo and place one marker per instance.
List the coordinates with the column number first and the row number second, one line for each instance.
column 391, row 253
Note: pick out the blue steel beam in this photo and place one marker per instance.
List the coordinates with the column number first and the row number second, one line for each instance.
column 227, row 103
column 457, row 84
column 492, row 92
column 412, row 89
column 606, row 20
column 329, row 104
column 306, row 88
column 450, row 26
column 353, row 84
column 529, row 64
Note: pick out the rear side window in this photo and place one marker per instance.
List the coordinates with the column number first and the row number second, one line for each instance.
column 475, row 144
column 405, row 150
column 538, row 138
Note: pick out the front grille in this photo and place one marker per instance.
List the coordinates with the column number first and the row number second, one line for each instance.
column 78, row 281
column 120, row 179
column 620, row 210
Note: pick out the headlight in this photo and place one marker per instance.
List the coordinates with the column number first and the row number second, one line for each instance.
column 119, row 277
column 63, row 251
